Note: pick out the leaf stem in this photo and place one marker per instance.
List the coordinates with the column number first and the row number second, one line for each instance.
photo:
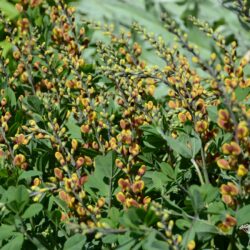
column 204, row 168
column 198, row 171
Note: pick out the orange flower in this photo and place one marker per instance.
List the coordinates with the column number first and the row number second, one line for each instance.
column 230, row 189
column 182, row 117
column 223, row 118
column 172, row 104
column 126, row 136
column 226, row 149
column 201, row 126
column 19, row 160
column 227, row 199
column 201, row 106
column 20, row 139
column 67, row 198
column 223, row 164
column 142, row 170
column 149, row 105
column 80, row 161
column 68, row 184
column 88, row 161
column 35, row 3
column 85, row 102
column 80, row 210
column 131, row 203
column 232, row 148
column 58, row 156
column 58, row 173
column 64, row 217
column 85, row 129
column 134, row 149
column 113, row 143
column 101, row 202
column 242, row 130
column 146, row 200
column 124, row 184
column 121, row 197
column 123, row 124
column 119, row 163
column 138, row 186
column 92, row 116
column 23, row 24
column 230, row 221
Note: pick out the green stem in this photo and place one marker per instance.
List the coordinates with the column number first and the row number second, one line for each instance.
column 204, row 167
column 198, row 171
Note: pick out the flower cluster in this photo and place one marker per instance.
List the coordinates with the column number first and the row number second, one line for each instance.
column 103, row 155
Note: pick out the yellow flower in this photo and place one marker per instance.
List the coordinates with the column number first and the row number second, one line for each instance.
column 150, row 89
column 242, row 170
column 74, row 144
column 191, row 245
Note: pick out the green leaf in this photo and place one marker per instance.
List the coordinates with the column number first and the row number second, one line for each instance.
column 167, row 170
column 150, row 130
column 16, row 198
column 133, row 217
column 29, row 174
column 13, row 129
column 195, row 144
column 76, row 242
column 209, row 193
column 74, row 129
column 204, row 230
column 196, row 198
column 126, row 242
column 103, row 174
column 15, row 244
column 151, row 242
column 200, row 228
column 242, row 93
column 62, row 204
column 216, row 208
column 42, row 161
column 6, row 47
column 150, row 218
column 21, row 194
column 179, row 147
column 6, row 231
column 110, row 238
column 34, row 104
column 243, row 215
column 32, row 210
column 10, row 96
column 8, row 9
column 114, row 215
column 55, row 217
column 159, row 179
column 183, row 224
column 212, row 113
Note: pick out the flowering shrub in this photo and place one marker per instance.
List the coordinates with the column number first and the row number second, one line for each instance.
column 91, row 158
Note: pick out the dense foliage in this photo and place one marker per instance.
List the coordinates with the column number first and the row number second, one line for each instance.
column 118, row 152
